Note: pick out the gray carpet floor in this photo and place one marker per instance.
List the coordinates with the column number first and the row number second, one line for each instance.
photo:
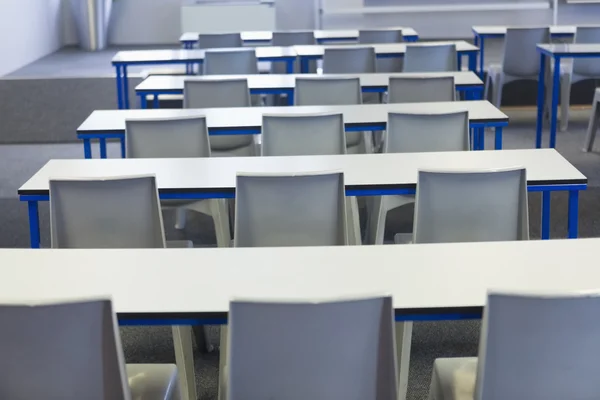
column 153, row 344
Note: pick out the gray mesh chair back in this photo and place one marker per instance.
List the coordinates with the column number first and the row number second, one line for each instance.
column 293, row 38
column 78, row 356
column 477, row 206
column 219, row 40
column 106, row 213
column 539, row 347
column 290, row 210
column 430, row 58
column 418, row 133
column 421, row 89
column 587, row 66
column 349, row 60
column 167, row 138
column 230, row 62
column 304, row 350
column 520, row 58
column 291, row 135
column 209, row 93
column 375, row 36
column 326, row 91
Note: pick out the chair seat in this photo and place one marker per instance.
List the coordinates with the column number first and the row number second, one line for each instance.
column 153, row 381
column 453, row 379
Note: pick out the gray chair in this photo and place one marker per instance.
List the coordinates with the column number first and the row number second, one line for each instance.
column 305, row 350
column 303, row 135
column 581, row 69
column 593, row 124
column 219, row 40
column 350, row 60
column 532, row 346
column 520, row 61
column 292, row 38
column 430, row 58
column 290, row 210
column 208, row 93
column 230, row 62
column 377, row 36
column 421, row 89
column 115, row 213
column 78, row 356
column 180, row 137
column 415, row 133
column 327, row 91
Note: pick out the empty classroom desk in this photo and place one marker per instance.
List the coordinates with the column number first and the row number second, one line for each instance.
column 155, row 85
column 187, row 57
column 110, row 124
column 480, row 33
column 189, row 39
column 556, row 52
column 364, row 174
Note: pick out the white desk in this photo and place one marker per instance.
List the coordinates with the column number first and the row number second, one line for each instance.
column 427, row 281
column 556, row 52
column 189, row 39
column 188, row 57
column 156, row 85
column 110, row 124
column 481, row 33
column 365, row 175
column 315, row 52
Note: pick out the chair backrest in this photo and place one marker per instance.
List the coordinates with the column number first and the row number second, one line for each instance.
column 304, row 350
column 418, row 133
column 539, row 347
column 475, row 206
column 296, row 135
column 61, row 351
column 121, row 212
column 290, row 210
column 587, row 66
column 374, row 36
column 327, row 91
column 421, row 89
column 520, row 55
column 219, row 40
column 349, row 60
column 293, row 38
column 167, row 138
column 430, row 58
column 230, row 62
column 208, row 93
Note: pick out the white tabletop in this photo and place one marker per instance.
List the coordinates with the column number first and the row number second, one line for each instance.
column 143, row 56
column 389, row 48
column 422, row 279
column 288, row 81
column 371, row 171
column 251, row 117
column 267, row 36
column 501, row 30
column 570, row 49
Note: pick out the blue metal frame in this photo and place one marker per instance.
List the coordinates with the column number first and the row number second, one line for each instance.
column 573, row 211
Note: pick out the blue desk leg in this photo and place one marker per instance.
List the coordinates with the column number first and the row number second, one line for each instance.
column 290, row 97
column 473, row 61
column 545, row 215
column 289, row 65
column 304, row 65
column 573, row 213
column 102, row 148
column 555, row 93
column 119, row 87
column 143, row 100
column 540, row 102
column 123, row 147
column 34, row 224
column 155, row 103
column 467, row 94
column 125, row 87
column 474, row 139
column 87, row 148
column 481, row 53
column 498, row 138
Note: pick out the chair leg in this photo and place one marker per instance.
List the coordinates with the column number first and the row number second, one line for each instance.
column 220, row 215
column 180, row 217
column 565, row 101
column 352, row 221
column 403, row 342
column 593, row 124
column 184, row 358
column 222, row 384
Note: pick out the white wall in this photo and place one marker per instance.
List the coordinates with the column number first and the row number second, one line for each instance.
column 29, row 29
